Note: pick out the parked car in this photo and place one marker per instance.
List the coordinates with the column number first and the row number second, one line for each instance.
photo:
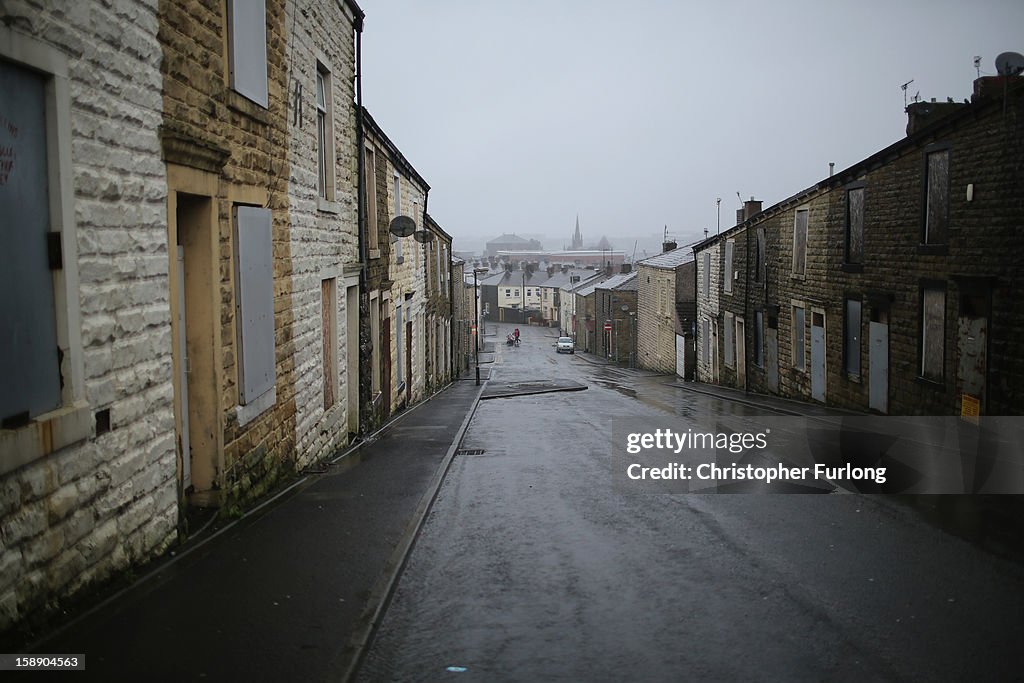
column 565, row 345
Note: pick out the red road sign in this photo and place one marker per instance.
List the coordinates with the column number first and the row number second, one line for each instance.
column 607, row 327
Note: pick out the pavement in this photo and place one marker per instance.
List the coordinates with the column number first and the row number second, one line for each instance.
column 295, row 588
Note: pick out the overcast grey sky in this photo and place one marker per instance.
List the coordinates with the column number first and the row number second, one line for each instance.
column 635, row 115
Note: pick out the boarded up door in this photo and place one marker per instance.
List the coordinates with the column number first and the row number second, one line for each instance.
column 972, row 336
column 818, row 356
column 878, row 365
column 385, row 369
column 772, row 350
column 681, row 356
column 741, row 354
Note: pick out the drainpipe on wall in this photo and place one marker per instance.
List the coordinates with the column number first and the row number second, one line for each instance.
column 746, row 304
column 364, row 398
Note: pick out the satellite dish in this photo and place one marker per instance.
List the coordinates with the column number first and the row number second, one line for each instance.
column 1010, row 63
column 423, row 236
column 402, row 226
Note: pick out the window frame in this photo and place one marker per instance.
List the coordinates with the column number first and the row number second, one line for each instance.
column 802, row 272
column 72, row 421
column 759, row 321
column 707, row 273
column 240, row 15
column 849, row 258
column 326, row 157
column 727, row 278
column 397, row 208
column 370, row 181
column 255, row 395
column 729, row 332
column 927, row 239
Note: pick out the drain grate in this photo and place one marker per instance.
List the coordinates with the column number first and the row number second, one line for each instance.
column 470, row 451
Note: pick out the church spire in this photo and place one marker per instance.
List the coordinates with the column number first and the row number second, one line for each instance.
column 577, row 237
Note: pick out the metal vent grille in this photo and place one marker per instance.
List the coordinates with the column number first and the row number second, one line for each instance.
column 470, row 451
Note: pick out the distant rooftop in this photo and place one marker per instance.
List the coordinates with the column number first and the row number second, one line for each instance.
column 669, row 259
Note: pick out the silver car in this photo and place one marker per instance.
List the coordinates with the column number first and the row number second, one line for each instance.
column 565, row 345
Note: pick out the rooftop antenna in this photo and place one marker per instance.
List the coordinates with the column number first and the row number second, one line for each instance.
column 977, row 64
column 718, row 205
column 904, row 89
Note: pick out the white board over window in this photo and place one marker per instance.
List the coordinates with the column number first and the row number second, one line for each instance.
column 254, row 302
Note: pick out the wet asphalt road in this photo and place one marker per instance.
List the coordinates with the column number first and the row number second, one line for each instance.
column 533, row 566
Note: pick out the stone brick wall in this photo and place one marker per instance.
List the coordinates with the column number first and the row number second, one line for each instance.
column 204, row 113
column 617, row 344
column 408, row 277
column 708, row 307
column 656, row 326
column 324, row 231
column 82, row 513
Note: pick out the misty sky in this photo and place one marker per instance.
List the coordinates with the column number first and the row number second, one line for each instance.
column 635, row 115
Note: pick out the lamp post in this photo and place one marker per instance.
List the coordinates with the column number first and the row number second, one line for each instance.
column 476, row 321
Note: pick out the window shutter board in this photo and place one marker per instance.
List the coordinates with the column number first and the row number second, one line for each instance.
column 54, row 251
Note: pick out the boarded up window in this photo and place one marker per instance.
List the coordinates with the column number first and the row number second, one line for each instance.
column 370, row 173
column 851, row 345
column 855, row 225
column 727, row 281
column 399, row 327
column 798, row 337
column 247, row 37
column 800, row 242
column 937, row 203
column 707, row 274
column 254, row 302
column 933, row 323
column 705, row 346
column 29, row 358
column 396, row 212
column 760, row 265
column 759, row 338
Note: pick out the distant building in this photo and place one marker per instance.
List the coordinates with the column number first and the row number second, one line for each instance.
column 511, row 243
column 666, row 302
column 616, row 315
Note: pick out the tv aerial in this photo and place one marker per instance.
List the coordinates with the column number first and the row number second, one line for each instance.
column 1010, row 64
column 904, row 89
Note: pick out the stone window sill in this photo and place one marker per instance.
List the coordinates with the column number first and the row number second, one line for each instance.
column 327, row 206
column 931, row 383
column 250, row 411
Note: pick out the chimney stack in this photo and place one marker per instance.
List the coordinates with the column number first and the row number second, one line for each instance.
column 750, row 207
column 626, row 268
column 668, row 246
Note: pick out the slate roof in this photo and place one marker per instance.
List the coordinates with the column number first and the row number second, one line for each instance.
column 669, row 259
column 561, row 279
column 622, row 281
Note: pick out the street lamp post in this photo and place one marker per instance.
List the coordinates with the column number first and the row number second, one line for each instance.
column 476, row 322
